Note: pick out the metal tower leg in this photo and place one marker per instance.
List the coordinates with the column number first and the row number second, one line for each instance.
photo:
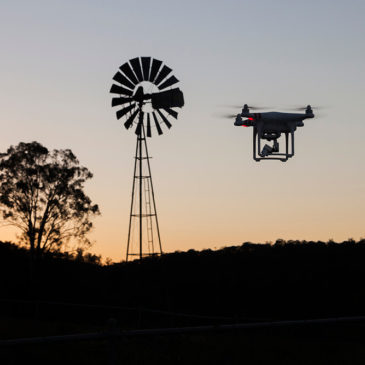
column 144, row 191
column 132, row 199
column 152, row 191
column 140, row 196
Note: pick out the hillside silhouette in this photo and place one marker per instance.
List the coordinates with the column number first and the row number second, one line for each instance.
column 285, row 280
column 69, row 294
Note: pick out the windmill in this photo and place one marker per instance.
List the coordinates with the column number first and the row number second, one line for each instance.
column 145, row 98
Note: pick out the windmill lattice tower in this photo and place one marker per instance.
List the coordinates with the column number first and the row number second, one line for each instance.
column 146, row 101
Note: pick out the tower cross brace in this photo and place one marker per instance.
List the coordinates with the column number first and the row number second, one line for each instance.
column 143, row 194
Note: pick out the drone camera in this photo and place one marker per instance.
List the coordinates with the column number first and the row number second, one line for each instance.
column 267, row 150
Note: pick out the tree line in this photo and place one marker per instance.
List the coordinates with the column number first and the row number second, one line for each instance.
column 283, row 280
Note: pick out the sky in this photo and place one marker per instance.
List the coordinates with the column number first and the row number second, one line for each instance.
column 56, row 67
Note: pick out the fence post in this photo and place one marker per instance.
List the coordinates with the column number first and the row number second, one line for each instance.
column 111, row 329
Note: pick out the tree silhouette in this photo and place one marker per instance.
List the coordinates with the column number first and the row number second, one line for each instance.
column 42, row 194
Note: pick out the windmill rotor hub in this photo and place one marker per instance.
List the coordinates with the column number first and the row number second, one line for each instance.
column 147, row 87
column 142, row 95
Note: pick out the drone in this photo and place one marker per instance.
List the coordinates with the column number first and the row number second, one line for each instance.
column 270, row 126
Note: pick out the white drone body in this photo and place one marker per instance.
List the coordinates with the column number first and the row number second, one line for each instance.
column 269, row 126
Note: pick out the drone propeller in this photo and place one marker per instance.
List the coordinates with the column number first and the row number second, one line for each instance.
column 253, row 107
column 256, row 107
column 228, row 116
column 303, row 108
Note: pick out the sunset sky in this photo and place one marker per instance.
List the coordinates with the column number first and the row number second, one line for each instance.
column 56, row 67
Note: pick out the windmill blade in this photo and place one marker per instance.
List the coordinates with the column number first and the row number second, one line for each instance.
column 129, row 73
column 168, row 124
column 173, row 98
column 116, row 89
column 156, row 64
column 125, row 110
column 118, row 77
column 121, row 101
column 146, row 63
column 159, row 130
column 148, row 126
column 163, row 73
column 172, row 112
column 169, row 82
column 136, row 65
column 140, row 124
column 130, row 120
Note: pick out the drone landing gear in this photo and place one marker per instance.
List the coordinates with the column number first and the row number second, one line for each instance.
column 272, row 152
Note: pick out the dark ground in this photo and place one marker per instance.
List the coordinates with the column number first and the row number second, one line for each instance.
column 287, row 280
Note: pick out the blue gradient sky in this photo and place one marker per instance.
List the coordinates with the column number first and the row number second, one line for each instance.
column 56, row 65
